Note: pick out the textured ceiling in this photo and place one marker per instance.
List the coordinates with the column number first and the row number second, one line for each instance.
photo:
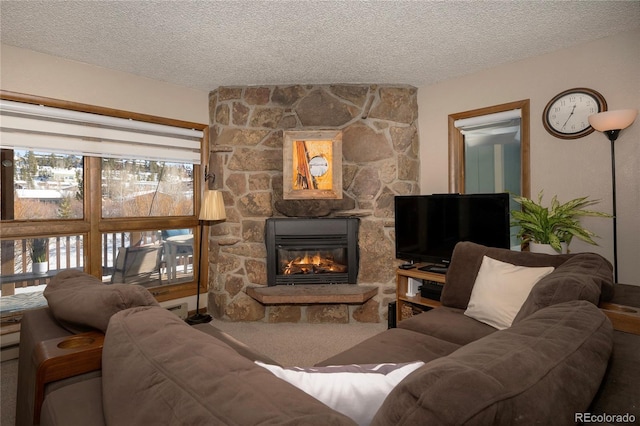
column 207, row 44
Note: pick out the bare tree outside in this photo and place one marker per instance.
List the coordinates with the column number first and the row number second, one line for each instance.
column 46, row 186
column 140, row 188
column 49, row 186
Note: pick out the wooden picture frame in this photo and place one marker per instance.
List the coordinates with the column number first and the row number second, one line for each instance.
column 312, row 162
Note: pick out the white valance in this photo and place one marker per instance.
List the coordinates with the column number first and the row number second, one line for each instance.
column 38, row 127
column 487, row 119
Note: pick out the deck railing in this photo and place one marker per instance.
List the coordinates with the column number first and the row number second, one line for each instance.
column 62, row 252
column 67, row 252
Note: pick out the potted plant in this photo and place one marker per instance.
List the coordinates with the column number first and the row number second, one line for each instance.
column 555, row 225
column 38, row 248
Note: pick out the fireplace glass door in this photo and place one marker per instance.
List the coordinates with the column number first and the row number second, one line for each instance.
column 309, row 262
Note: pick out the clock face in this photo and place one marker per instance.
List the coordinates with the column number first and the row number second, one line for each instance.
column 566, row 115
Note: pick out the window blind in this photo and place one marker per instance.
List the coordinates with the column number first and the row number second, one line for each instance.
column 37, row 127
column 488, row 119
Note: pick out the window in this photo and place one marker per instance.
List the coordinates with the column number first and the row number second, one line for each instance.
column 489, row 152
column 133, row 188
column 116, row 199
column 46, row 185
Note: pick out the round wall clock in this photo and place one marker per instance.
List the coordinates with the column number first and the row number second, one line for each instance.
column 566, row 115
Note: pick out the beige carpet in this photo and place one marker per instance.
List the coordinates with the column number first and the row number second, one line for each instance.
column 8, row 389
column 289, row 344
column 300, row 344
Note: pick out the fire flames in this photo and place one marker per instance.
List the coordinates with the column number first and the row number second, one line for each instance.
column 313, row 264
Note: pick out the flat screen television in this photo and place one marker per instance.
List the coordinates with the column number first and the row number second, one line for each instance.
column 429, row 226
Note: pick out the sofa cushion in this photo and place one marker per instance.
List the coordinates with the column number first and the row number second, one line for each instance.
column 580, row 278
column 541, row 370
column 354, row 390
column 447, row 324
column 81, row 302
column 466, row 261
column 394, row 345
column 158, row 370
column 76, row 404
column 500, row 290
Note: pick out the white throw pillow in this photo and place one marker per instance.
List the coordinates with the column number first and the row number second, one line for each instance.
column 500, row 290
column 356, row 391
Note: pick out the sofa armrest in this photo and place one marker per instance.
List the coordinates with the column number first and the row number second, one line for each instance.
column 76, row 404
column 624, row 318
column 36, row 325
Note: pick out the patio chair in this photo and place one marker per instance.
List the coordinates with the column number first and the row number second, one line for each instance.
column 136, row 265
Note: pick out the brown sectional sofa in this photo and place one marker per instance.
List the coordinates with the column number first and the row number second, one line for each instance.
column 544, row 368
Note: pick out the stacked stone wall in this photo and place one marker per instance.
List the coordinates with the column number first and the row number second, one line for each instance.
column 380, row 160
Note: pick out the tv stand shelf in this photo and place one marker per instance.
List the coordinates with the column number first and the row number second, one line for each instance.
column 404, row 302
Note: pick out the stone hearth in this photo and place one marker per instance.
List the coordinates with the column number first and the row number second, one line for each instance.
column 312, row 294
column 380, row 160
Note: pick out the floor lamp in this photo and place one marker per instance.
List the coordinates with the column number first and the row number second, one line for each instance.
column 611, row 123
column 212, row 209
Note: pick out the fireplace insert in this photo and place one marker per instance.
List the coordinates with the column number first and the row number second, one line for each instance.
column 312, row 251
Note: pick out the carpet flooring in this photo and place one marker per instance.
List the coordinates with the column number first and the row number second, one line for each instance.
column 299, row 344
column 289, row 344
column 8, row 389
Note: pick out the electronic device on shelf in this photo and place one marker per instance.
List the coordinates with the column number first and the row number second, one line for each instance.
column 431, row 289
column 436, row 269
column 429, row 226
column 410, row 265
column 391, row 315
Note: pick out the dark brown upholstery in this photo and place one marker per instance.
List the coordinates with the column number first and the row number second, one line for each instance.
column 81, row 302
column 540, row 371
column 448, row 324
column 80, row 404
column 579, row 278
column 466, row 261
column 36, row 326
column 619, row 392
column 395, row 345
column 620, row 389
column 158, row 370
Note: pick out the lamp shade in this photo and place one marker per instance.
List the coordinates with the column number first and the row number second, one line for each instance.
column 212, row 206
column 613, row 120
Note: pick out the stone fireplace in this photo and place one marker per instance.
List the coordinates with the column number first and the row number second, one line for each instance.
column 312, row 251
column 380, row 160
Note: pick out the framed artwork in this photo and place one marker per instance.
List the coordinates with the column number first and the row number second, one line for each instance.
column 312, row 164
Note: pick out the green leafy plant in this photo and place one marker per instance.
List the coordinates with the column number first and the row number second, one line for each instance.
column 554, row 224
column 38, row 249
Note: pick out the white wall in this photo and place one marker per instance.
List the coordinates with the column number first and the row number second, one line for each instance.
column 568, row 168
column 33, row 73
